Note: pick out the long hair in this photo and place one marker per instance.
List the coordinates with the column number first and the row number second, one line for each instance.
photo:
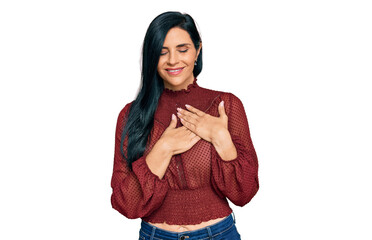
column 140, row 119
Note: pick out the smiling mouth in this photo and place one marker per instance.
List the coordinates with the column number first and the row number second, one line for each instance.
column 174, row 70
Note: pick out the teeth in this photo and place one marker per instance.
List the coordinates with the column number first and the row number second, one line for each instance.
column 175, row 70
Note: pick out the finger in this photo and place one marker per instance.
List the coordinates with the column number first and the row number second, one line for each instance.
column 195, row 139
column 196, row 135
column 193, row 136
column 191, row 133
column 194, row 110
column 173, row 122
column 188, row 125
column 187, row 113
column 221, row 109
column 188, row 117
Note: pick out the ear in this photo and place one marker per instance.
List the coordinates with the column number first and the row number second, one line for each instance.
column 198, row 51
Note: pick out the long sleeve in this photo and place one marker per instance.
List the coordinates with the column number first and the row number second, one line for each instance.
column 236, row 179
column 139, row 192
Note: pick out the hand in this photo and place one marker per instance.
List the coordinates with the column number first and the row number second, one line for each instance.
column 172, row 141
column 208, row 127
column 178, row 140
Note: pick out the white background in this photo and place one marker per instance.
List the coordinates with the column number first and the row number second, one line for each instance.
column 301, row 68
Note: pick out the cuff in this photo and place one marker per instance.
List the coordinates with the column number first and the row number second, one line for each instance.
column 142, row 170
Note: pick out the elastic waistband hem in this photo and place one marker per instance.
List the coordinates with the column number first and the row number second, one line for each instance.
column 209, row 231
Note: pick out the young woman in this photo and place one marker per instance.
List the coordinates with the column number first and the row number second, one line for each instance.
column 181, row 149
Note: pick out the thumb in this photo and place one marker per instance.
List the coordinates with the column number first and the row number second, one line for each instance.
column 173, row 122
column 221, row 109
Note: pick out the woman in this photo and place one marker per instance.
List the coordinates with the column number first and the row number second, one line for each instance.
column 181, row 149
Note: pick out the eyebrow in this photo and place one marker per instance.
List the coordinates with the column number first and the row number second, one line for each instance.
column 180, row 45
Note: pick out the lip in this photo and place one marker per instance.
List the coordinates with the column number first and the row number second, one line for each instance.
column 174, row 71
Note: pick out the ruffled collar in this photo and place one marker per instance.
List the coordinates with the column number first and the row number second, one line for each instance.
column 187, row 90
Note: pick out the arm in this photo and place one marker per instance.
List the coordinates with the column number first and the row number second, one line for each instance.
column 235, row 173
column 139, row 192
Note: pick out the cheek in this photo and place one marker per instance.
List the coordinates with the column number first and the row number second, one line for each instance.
column 191, row 58
column 191, row 61
column 160, row 64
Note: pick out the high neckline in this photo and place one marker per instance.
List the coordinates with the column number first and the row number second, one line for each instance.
column 187, row 90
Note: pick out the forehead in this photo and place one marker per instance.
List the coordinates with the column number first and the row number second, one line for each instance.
column 176, row 36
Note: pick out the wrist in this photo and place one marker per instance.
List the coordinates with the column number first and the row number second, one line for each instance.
column 220, row 137
column 225, row 146
column 164, row 149
column 158, row 159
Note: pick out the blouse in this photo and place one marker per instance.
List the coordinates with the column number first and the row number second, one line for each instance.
column 197, row 182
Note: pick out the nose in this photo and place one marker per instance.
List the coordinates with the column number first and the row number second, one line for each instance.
column 172, row 58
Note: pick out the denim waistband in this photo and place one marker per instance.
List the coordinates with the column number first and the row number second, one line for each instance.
column 208, row 232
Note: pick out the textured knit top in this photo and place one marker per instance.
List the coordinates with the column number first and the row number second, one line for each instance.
column 197, row 182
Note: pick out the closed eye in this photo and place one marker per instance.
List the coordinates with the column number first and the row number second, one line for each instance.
column 182, row 51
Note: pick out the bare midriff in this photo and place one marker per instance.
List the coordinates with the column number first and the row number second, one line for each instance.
column 184, row 228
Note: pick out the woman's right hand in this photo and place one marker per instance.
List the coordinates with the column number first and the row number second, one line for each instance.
column 172, row 141
column 178, row 140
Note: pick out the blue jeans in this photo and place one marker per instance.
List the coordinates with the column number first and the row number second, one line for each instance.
column 225, row 229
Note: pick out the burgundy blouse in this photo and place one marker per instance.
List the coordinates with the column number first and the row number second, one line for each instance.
column 197, row 182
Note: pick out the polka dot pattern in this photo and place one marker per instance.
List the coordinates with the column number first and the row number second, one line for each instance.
column 197, row 182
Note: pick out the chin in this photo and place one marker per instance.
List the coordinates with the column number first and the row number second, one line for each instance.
column 174, row 83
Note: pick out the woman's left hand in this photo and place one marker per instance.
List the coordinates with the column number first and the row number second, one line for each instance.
column 208, row 127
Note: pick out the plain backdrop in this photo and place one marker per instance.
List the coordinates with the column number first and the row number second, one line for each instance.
column 301, row 68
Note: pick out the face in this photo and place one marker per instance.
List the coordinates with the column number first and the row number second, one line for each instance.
column 177, row 59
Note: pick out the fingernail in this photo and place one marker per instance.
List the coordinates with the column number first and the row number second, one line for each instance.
column 173, row 116
column 187, row 105
column 222, row 103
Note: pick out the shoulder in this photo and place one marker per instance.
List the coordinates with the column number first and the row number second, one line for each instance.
column 222, row 94
column 124, row 111
column 230, row 99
